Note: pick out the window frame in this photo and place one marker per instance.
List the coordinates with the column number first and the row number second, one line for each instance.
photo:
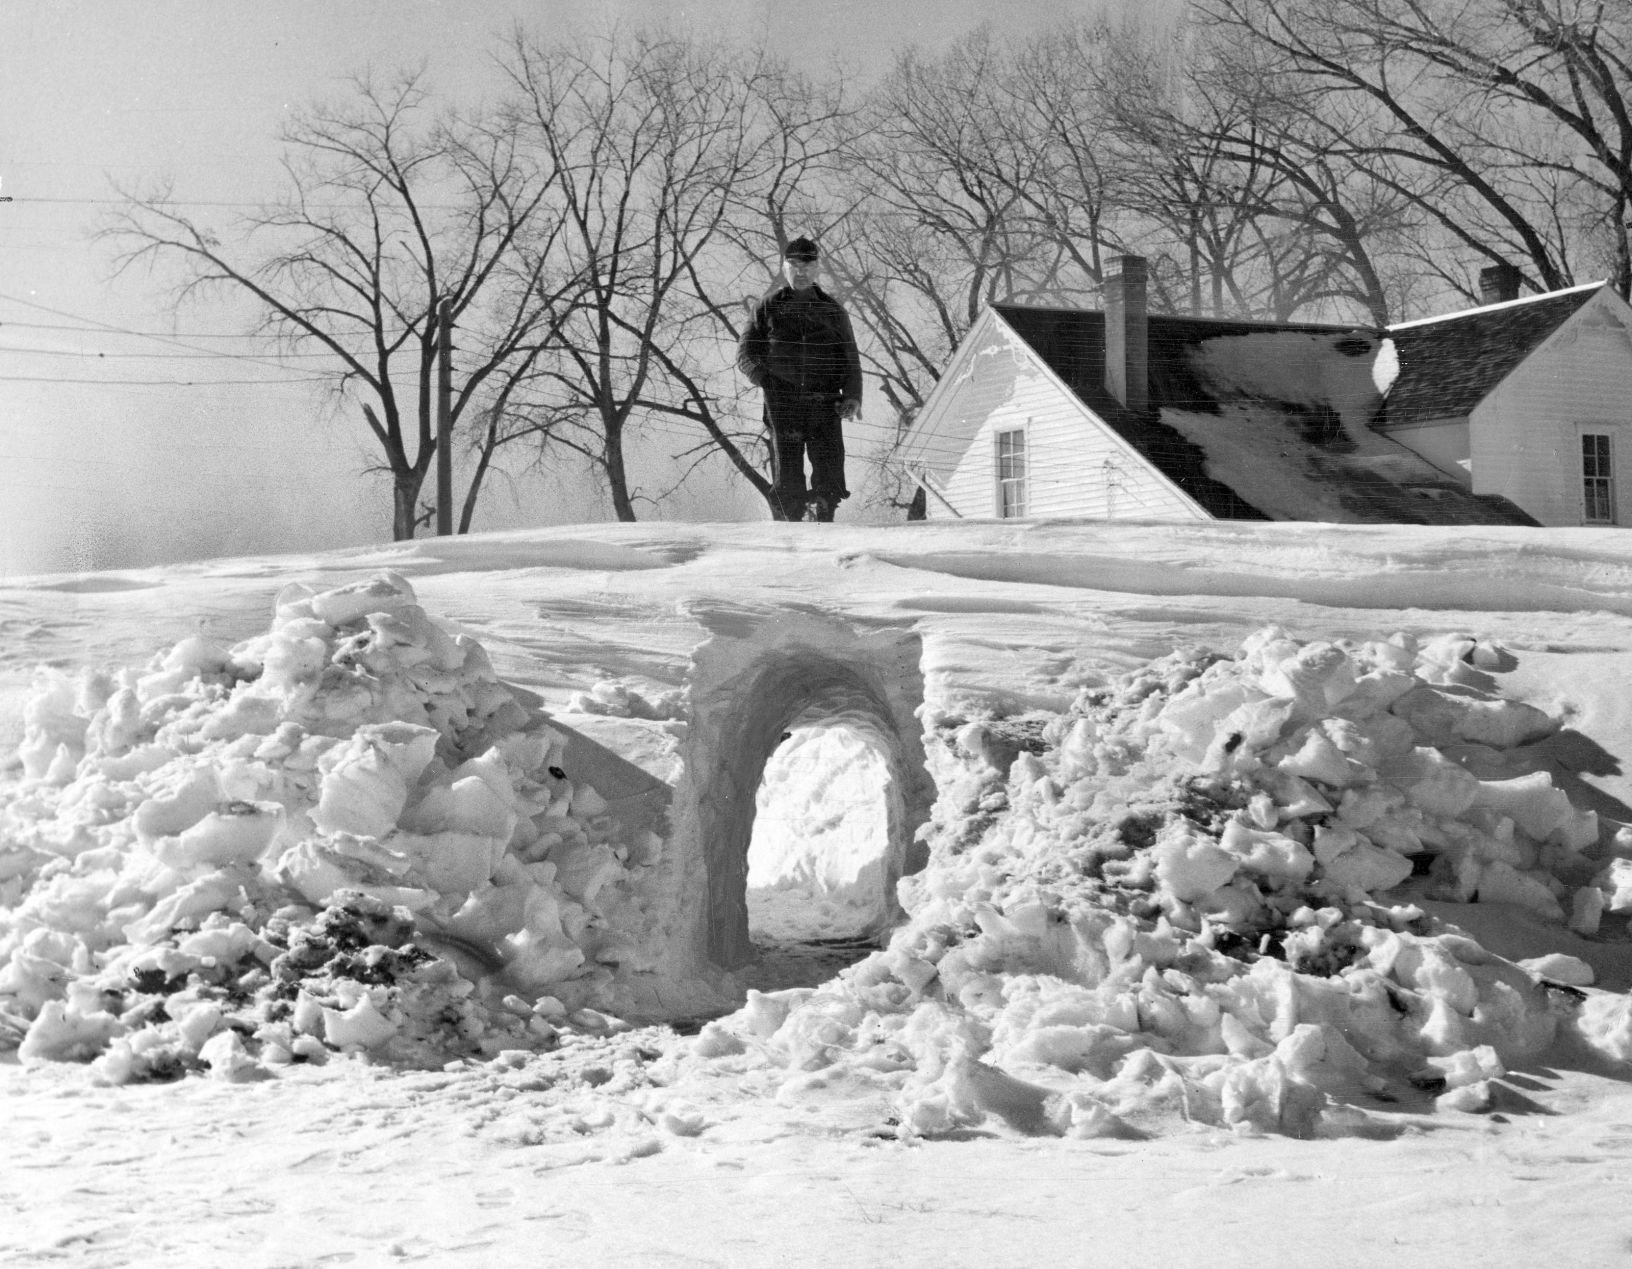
column 1014, row 482
column 1596, row 488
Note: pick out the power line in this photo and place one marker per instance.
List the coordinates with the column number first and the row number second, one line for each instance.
column 126, row 462
column 116, row 202
column 167, row 383
column 163, row 339
column 142, row 334
column 187, row 356
column 21, row 200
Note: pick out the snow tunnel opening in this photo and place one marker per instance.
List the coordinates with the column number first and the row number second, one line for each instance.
column 827, row 734
column 819, row 853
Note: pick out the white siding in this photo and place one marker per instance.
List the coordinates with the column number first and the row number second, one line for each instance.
column 973, row 384
column 1443, row 442
column 1526, row 436
column 1077, row 466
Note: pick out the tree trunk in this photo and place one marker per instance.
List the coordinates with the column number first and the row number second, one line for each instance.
column 405, row 486
column 617, row 475
column 489, row 443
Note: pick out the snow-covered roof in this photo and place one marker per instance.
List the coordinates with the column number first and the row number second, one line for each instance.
column 1447, row 365
column 1261, row 420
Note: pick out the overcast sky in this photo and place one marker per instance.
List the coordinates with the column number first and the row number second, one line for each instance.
column 194, row 91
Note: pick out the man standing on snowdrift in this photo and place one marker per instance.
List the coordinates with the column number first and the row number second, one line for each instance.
column 800, row 349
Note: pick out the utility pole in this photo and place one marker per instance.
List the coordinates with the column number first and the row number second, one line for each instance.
column 444, row 418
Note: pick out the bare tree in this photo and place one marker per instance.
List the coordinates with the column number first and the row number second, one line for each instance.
column 669, row 150
column 937, row 229
column 1508, row 123
column 1060, row 113
column 1266, row 213
column 924, row 197
column 391, row 209
column 1192, row 200
column 797, row 183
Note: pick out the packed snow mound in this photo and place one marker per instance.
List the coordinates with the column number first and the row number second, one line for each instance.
column 344, row 834
column 1191, row 898
column 616, row 699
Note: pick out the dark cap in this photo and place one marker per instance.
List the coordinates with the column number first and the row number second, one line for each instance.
column 800, row 249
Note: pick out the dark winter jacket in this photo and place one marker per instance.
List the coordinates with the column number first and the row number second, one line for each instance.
column 803, row 340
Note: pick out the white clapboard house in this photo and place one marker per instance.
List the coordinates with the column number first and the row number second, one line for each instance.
column 1518, row 411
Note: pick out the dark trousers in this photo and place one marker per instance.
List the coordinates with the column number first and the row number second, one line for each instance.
column 801, row 426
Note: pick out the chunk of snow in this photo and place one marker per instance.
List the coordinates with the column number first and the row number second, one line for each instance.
column 1558, row 967
column 58, row 1035
column 1530, row 801
column 1368, row 869
column 1318, row 759
column 1191, row 865
column 345, row 604
column 361, row 1026
column 1604, row 1022
column 1616, row 883
column 1265, row 851
column 1385, row 367
column 237, row 833
column 1502, row 883
column 1431, row 781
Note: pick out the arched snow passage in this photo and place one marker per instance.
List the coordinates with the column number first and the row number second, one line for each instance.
column 759, row 677
column 816, row 859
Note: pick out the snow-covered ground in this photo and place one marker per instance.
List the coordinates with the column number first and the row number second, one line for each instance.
column 1188, row 976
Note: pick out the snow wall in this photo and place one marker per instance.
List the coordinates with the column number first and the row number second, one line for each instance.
column 1202, row 893
column 760, row 675
column 1205, row 895
column 349, row 833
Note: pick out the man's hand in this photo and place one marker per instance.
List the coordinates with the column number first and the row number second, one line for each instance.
column 849, row 409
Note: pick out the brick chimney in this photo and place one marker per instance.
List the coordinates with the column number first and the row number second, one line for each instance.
column 1127, row 336
column 1498, row 283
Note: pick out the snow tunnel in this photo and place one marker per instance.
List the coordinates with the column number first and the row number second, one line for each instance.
column 763, row 684
column 822, row 816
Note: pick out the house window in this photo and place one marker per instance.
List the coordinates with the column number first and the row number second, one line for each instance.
column 1597, row 479
column 1011, row 473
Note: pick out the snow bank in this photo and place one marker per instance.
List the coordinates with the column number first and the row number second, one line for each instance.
column 344, row 834
column 1191, row 897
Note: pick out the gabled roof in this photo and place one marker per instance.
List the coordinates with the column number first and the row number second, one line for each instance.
column 1305, row 448
column 1450, row 364
column 1072, row 343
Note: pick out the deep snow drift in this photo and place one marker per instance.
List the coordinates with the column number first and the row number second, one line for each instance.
column 233, row 858
column 1204, row 890
column 1194, row 893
